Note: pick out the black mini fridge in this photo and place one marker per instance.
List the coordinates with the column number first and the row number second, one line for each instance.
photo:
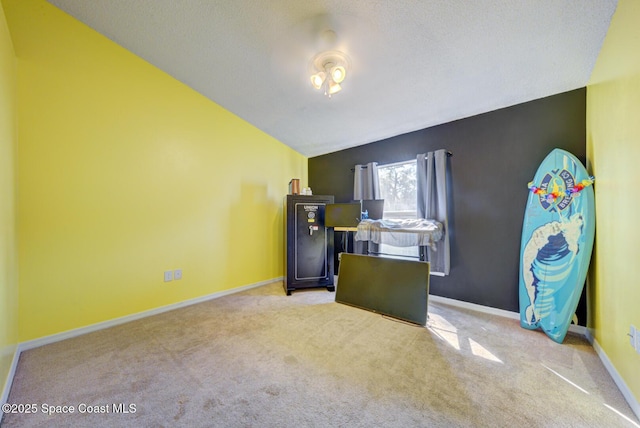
column 309, row 244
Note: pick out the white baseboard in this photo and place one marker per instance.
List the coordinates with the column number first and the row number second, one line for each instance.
column 622, row 386
column 128, row 318
column 578, row 329
column 12, row 371
column 474, row 307
column 31, row 344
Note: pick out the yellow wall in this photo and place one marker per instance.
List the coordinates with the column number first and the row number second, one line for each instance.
column 613, row 149
column 123, row 173
column 8, row 252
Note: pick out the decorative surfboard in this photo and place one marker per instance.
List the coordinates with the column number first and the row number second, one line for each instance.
column 557, row 239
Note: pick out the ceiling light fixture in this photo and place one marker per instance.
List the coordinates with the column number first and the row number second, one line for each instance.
column 328, row 70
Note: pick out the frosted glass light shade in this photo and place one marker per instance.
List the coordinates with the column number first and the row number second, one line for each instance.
column 318, row 79
column 334, row 88
column 338, row 73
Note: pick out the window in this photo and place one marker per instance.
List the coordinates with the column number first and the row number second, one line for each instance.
column 398, row 188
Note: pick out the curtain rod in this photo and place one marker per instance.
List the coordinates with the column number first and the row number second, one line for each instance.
column 449, row 154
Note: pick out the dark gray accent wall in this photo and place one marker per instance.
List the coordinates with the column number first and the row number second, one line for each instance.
column 495, row 155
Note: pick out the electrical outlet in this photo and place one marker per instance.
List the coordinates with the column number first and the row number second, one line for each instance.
column 177, row 274
column 634, row 338
column 168, row 275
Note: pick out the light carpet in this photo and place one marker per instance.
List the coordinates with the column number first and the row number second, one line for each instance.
column 259, row 358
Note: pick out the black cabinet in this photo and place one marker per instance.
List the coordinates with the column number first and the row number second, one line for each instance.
column 309, row 244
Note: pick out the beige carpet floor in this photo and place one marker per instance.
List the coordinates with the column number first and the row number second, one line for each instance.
column 259, row 358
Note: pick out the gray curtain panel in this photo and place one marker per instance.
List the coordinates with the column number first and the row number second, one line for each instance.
column 433, row 205
column 366, row 185
column 365, row 182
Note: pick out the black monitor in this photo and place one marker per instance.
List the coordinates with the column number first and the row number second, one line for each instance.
column 343, row 215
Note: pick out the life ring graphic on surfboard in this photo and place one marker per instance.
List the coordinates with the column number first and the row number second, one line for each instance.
column 557, row 240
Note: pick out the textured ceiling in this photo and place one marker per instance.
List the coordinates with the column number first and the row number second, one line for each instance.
column 414, row 63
